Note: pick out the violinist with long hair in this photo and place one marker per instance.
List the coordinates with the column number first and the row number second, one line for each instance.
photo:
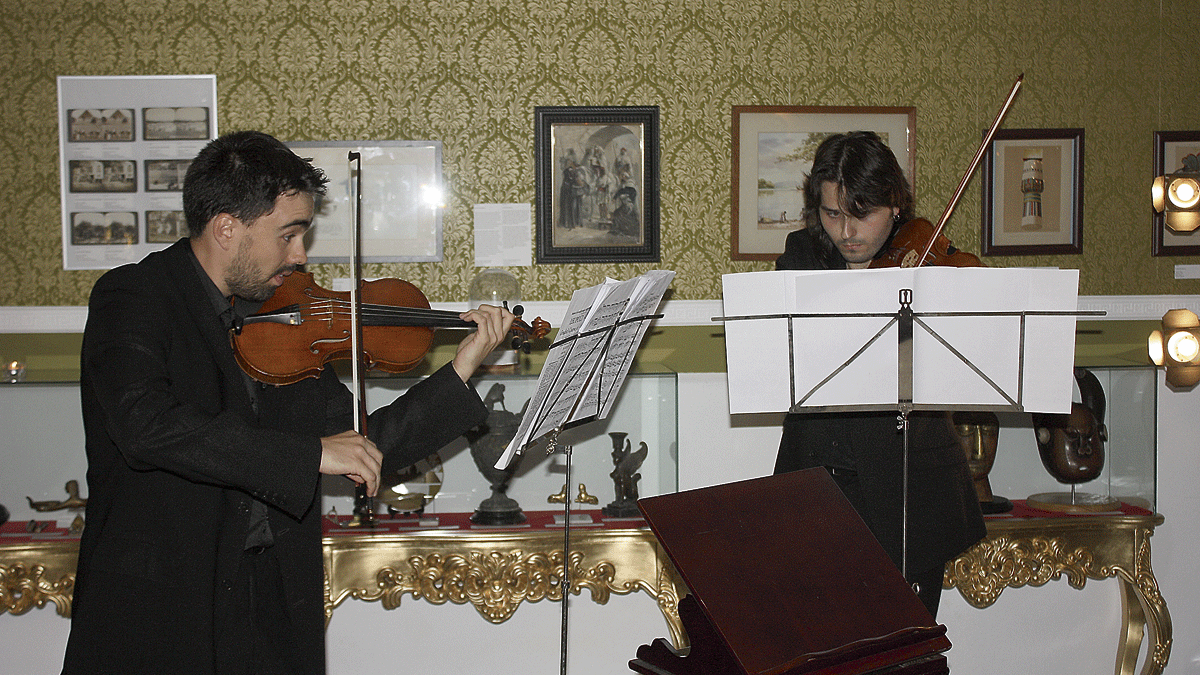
column 202, row 549
column 856, row 198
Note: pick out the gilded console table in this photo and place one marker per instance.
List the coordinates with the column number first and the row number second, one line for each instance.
column 439, row 559
column 1030, row 548
column 496, row 569
column 36, row 570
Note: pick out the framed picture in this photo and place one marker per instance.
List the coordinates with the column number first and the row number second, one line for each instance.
column 1033, row 192
column 1170, row 149
column 773, row 150
column 597, row 184
column 122, row 156
column 105, row 126
column 402, row 201
column 175, row 124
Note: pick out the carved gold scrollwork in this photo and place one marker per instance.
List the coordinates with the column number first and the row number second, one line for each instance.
column 998, row 562
column 1141, row 583
column 494, row 582
column 23, row 587
column 1143, row 576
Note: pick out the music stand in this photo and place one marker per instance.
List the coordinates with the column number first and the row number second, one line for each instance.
column 975, row 359
column 1041, row 304
column 825, row 598
column 585, row 368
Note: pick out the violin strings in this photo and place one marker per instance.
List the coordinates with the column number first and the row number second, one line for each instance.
column 376, row 314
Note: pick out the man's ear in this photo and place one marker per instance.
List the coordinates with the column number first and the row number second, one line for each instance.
column 223, row 228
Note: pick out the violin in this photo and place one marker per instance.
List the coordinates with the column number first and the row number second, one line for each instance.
column 920, row 235
column 915, row 234
column 303, row 326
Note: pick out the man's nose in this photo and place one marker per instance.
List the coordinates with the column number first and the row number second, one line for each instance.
column 298, row 256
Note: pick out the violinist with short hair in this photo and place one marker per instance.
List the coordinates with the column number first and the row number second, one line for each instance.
column 202, row 549
column 855, row 199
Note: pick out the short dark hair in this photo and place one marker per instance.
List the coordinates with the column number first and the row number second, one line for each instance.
column 867, row 175
column 242, row 174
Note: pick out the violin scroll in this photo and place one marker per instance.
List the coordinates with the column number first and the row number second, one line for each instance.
column 522, row 334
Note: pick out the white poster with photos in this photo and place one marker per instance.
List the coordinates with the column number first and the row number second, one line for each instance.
column 125, row 143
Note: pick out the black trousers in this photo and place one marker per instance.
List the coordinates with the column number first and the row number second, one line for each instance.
column 926, row 583
column 265, row 620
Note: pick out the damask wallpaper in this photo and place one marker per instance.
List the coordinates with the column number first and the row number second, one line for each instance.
column 470, row 72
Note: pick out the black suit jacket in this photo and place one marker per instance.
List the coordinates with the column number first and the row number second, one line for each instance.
column 944, row 516
column 175, row 454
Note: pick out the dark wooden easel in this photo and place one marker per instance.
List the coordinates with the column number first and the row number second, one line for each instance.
column 785, row 579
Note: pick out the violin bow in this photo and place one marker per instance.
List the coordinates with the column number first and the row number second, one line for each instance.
column 962, row 185
column 364, row 510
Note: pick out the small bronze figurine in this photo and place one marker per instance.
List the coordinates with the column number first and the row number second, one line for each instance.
column 625, row 476
column 73, row 500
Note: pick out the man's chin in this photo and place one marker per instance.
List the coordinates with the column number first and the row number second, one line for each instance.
column 259, row 294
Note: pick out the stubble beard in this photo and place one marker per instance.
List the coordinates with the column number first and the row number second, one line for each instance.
column 244, row 278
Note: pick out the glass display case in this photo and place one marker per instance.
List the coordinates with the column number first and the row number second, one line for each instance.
column 1128, row 473
column 643, row 421
column 43, row 448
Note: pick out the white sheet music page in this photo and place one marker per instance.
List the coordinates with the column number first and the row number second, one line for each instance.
column 591, row 347
column 581, row 341
column 561, row 363
column 994, row 351
column 646, row 293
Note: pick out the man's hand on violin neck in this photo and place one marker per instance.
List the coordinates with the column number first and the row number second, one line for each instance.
column 354, row 456
column 492, row 326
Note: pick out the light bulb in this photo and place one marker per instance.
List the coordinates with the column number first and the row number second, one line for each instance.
column 1184, row 193
column 1183, row 347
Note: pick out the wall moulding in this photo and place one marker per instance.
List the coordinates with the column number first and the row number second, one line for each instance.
column 71, row 319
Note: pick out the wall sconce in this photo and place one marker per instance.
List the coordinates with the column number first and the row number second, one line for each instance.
column 1177, row 197
column 1177, row 346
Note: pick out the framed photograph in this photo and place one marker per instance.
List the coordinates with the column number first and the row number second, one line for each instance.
column 166, row 175
column 187, row 123
column 1170, row 150
column 773, row 150
column 1033, row 192
column 597, row 184
column 401, row 186
column 86, row 125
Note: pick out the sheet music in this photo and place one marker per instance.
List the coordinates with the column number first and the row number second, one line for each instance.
column 1026, row 355
column 640, row 297
column 573, row 372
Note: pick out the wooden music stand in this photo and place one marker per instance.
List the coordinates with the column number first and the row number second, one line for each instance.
column 785, row 579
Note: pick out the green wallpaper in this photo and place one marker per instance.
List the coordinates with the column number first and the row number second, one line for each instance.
column 469, row 72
